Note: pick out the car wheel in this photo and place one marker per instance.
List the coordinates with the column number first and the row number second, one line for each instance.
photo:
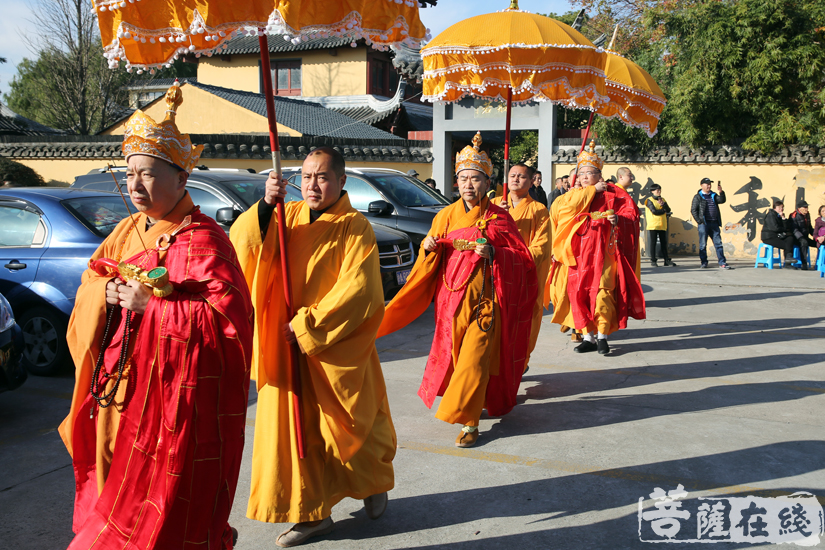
column 45, row 350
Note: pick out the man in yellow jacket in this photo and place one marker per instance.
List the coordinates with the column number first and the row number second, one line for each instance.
column 657, row 211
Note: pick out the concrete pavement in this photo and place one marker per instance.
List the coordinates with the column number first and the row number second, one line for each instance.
column 720, row 390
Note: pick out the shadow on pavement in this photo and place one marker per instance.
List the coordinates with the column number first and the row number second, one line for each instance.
column 569, row 495
column 566, row 384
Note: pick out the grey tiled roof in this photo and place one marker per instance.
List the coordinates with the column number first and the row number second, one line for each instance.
column 157, row 83
column 308, row 118
column 17, row 125
column 230, row 146
column 277, row 44
column 793, row 154
column 365, row 114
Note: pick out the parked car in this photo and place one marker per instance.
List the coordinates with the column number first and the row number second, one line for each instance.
column 389, row 198
column 47, row 236
column 12, row 371
column 224, row 194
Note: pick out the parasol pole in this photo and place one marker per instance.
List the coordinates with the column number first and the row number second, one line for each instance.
column 584, row 141
column 507, row 142
column 294, row 351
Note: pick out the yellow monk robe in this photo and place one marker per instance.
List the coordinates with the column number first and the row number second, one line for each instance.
column 533, row 222
column 85, row 331
column 338, row 296
column 555, row 291
column 475, row 355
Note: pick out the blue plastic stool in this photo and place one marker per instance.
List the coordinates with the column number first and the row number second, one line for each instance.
column 797, row 260
column 770, row 257
column 820, row 260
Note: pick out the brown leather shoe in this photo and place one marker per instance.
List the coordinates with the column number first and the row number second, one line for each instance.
column 374, row 505
column 466, row 439
column 564, row 328
column 302, row 532
column 576, row 337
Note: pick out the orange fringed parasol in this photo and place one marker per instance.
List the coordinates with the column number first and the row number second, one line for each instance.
column 635, row 98
column 148, row 34
column 514, row 56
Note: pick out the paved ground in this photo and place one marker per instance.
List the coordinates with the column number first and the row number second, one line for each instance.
column 720, row 389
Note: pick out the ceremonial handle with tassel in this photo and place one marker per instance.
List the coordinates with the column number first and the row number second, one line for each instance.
column 294, row 351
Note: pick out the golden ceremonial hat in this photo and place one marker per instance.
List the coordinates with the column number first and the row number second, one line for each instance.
column 588, row 157
column 471, row 158
column 144, row 136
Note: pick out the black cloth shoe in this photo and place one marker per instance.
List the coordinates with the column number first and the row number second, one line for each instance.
column 704, row 266
column 584, row 347
column 654, row 263
column 670, row 263
column 604, row 347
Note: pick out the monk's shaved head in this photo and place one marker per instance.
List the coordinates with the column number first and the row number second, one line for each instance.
column 338, row 165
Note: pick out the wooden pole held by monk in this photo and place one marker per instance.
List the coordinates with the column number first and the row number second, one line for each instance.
column 294, row 351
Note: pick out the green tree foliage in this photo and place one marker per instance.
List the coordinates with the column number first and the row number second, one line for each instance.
column 733, row 71
column 19, row 174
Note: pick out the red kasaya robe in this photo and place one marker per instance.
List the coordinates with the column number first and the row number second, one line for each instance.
column 603, row 252
column 514, row 280
column 174, row 468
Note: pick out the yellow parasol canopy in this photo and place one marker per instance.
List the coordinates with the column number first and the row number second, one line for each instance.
column 147, row 34
column 635, row 98
column 537, row 57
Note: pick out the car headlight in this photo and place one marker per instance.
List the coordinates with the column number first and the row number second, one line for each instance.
column 6, row 315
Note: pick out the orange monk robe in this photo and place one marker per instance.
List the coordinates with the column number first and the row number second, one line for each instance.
column 533, row 222
column 179, row 412
column 555, row 291
column 337, row 293
column 480, row 369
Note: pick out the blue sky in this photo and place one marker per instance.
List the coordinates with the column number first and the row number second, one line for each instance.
column 14, row 24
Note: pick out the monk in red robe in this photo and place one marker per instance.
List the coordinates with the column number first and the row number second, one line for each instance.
column 162, row 335
column 597, row 240
column 483, row 278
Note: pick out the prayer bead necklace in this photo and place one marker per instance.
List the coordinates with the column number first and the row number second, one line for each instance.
column 461, row 286
column 481, row 298
column 106, row 399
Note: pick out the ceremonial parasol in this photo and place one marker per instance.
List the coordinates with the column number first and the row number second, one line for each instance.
column 514, row 56
column 148, row 34
column 634, row 98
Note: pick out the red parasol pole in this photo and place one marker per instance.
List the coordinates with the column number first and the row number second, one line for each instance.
column 294, row 351
column 507, row 141
column 584, row 141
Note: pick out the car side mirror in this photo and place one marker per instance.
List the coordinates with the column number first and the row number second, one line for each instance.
column 380, row 208
column 227, row 216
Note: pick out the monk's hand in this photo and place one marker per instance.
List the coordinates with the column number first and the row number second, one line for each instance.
column 429, row 244
column 275, row 188
column 112, row 294
column 612, row 219
column 505, row 206
column 134, row 296
column 600, row 187
column 485, row 251
column 289, row 334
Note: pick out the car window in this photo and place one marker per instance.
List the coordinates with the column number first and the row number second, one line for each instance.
column 209, row 203
column 100, row 214
column 361, row 193
column 251, row 192
column 406, row 192
column 20, row 227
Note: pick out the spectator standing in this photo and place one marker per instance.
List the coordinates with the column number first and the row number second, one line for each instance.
column 430, row 182
column 537, row 193
column 819, row 227
column 800, row 225
column 705, row 210
column 775, row 230
column 657, row 212
column 561, row 187
column 412, row 173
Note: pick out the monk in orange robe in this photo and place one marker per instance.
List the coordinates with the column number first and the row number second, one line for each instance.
column 157, row 444
column 533, row 222
column 339, row 303
column 597, row 237
column 475, row 264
